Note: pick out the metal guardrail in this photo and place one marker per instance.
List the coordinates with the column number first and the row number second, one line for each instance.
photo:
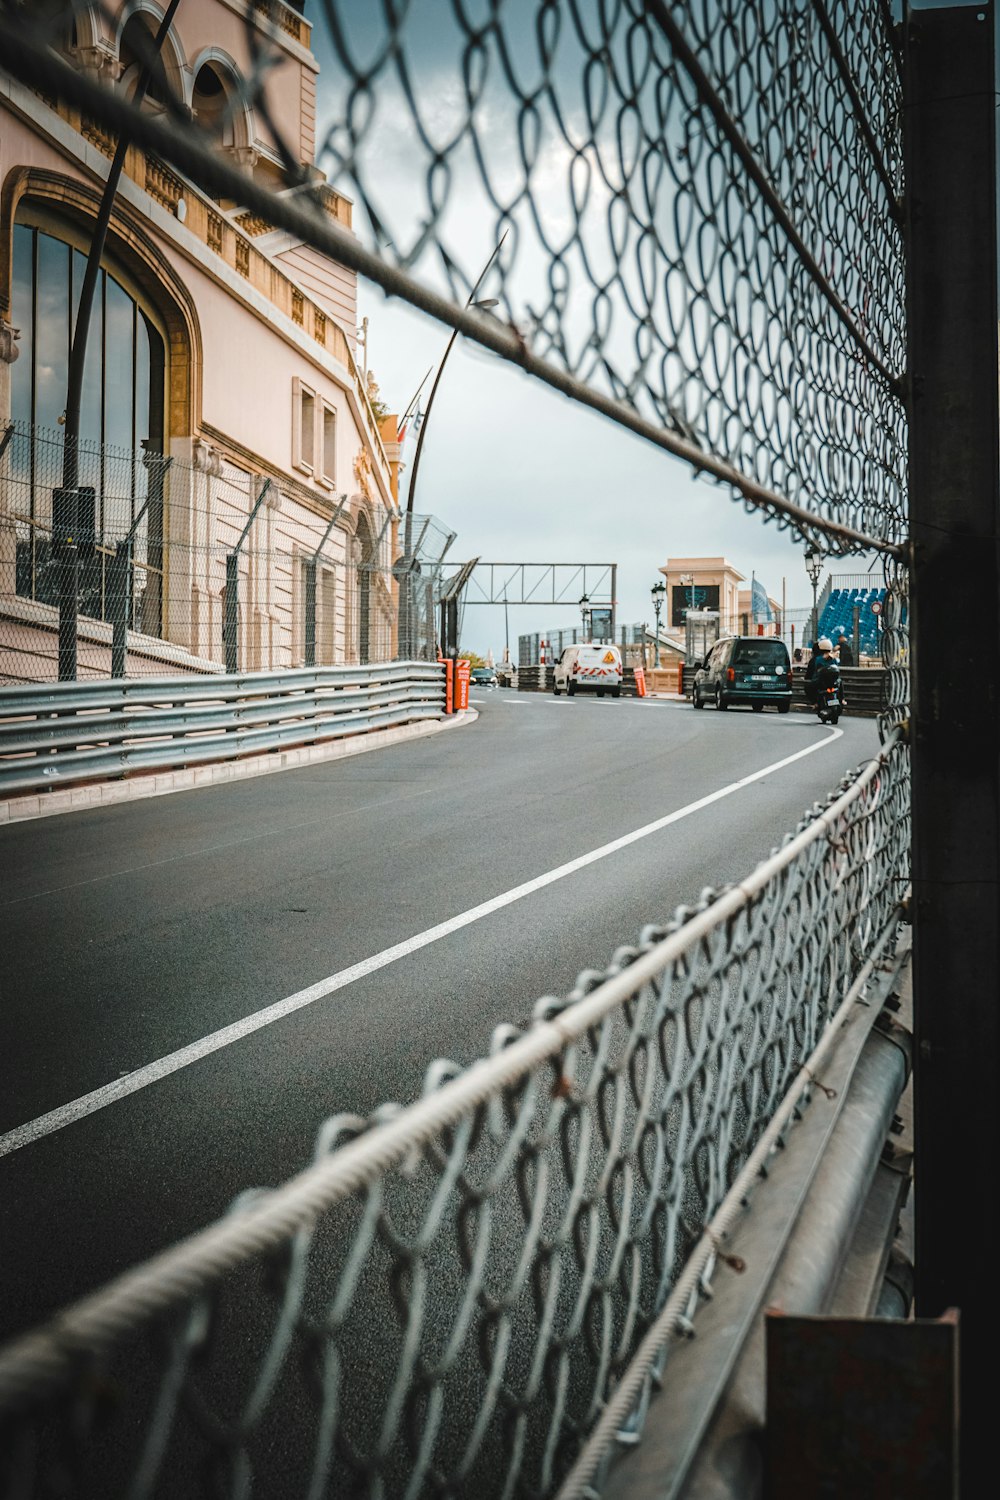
column 58, row 735
column 447, row 1298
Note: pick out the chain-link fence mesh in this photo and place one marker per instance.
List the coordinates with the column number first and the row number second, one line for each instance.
column 201, row 566
column 688, row 215
column 690, row 209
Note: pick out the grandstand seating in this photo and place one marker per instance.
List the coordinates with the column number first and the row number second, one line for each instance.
column 838, row 617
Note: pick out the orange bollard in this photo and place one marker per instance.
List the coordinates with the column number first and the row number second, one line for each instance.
column 640, row 682
column 680, row 677
column 461, row 689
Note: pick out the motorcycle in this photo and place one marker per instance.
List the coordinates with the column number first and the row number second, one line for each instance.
column 829, row 702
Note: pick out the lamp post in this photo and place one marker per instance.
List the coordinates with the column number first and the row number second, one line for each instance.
column 657, row 592
column 584, row 609
column 484, row 306
column 814, row 567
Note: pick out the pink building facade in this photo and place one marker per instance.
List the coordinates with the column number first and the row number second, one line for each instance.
column 221, row 367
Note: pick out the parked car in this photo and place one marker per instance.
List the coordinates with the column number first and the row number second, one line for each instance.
column 484, row 677
column 590, row 667
column 750, row 669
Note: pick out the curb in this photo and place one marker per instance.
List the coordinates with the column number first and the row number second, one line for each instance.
column 187, row 779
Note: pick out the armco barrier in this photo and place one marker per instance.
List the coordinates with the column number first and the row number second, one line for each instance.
column 61, row 734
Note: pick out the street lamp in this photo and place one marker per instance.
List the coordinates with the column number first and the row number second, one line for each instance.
column 584, row 611
column 484, row 306
column 657, row 592
column 814, row 567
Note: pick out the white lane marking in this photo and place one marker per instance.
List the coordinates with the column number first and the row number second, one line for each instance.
column 141, row 1078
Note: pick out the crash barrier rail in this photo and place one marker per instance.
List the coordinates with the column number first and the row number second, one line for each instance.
column 59, row 734
column 200, row 566
column 446, row 1299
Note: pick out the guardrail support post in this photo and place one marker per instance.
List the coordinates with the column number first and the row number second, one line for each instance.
column 954, row 493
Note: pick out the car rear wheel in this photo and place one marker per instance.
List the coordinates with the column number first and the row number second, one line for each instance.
column 758, row 708
column 721, row 701
column 616, row 692
column 697, row 699
column 784, row 708
column 570, row 689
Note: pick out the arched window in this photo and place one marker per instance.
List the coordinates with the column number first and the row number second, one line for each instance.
column 211, row 104
column 122, row 421
column 136, row 49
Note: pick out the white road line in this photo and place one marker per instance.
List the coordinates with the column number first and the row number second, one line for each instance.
column 132, row 1083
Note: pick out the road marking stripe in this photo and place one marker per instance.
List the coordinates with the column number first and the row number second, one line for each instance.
column 174, row 1062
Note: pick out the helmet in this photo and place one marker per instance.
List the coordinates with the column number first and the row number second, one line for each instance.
column 825, row 643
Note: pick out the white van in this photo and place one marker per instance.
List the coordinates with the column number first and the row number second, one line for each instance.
column 589, row 666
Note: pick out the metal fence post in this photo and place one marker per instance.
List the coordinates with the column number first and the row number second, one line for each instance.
column 230, row 625
column 69, row 600
column 121, row 596
column 310, row 601
column 949, row 123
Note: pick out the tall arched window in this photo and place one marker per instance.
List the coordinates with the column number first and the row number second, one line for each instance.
column 212, row 108
column 122, row 422
column 137, row 49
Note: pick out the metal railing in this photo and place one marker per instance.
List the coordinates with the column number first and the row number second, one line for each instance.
column 61, row 734
column 462, row 1283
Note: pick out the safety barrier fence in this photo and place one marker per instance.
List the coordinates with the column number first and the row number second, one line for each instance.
column 448, row 1297
column 190, row 563
column 56, row 735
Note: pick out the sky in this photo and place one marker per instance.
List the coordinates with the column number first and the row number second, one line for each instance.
column 519, row 472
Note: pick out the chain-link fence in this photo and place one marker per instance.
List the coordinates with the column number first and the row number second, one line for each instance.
column 691, row 209
column 200, row 566
column 689, row 217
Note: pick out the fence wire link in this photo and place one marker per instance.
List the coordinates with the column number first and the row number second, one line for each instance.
column 152, row 586
column 693, row 204
column 443, row 1302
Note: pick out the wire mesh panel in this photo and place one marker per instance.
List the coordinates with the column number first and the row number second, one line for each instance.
column 164, row 545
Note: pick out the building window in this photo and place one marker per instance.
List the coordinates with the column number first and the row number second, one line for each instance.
column 121, row 415
column 303, row 426
column 328, row 472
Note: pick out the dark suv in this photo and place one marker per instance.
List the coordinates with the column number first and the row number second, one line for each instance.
column 750, row 669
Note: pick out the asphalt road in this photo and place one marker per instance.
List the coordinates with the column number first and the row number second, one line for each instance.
column 130, row 932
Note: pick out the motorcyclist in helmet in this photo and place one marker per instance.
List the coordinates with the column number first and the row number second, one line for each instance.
column 812, row 666
column 825, row 667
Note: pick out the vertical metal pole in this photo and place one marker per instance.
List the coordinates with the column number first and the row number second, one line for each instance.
column 310, row 579
column 856, row 634
column 69, row 595
column 949, row 123
column 230, row 628
column 614, row 599
column 121, row 597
